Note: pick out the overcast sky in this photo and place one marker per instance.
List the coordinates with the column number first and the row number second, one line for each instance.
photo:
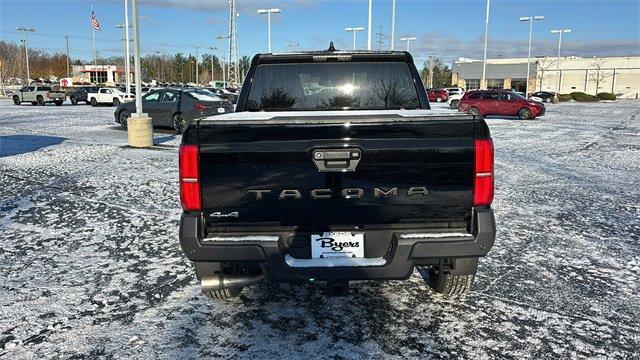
column 453, row 28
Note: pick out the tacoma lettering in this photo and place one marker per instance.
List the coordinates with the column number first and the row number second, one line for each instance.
column 347, row 193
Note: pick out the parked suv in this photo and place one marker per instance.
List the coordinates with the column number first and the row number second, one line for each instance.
column 80, row 94
column 500, row 102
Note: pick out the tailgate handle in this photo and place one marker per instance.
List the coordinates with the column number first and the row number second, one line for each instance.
column 336, row 160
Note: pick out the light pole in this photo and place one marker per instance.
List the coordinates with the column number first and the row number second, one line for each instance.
column 559, row 32
column 124, row 45
column 224, row 77
column 127, row 53
column 530, row 19
column 26, row 30
column 369, row 25
column 408, row 39
column 66, row 40
column 269, row 12
column 139, row 128
column 213, row 49
column 354, row 30
column 197, row 55
column 158, row 71
column 483, row 82
column 393, row 24
column 431, row 54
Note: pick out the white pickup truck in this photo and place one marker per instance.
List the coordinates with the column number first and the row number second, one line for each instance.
column 111, row 96
column 38, row 95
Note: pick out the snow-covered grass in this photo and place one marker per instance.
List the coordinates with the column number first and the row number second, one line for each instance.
column 91, row 266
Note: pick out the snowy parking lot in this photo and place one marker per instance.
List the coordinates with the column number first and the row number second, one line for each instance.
column 90, row 265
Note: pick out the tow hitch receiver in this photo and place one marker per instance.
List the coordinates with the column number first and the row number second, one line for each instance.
column 338, row 287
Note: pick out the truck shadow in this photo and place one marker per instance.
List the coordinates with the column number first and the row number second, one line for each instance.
column 20, row 144
column 272, row 320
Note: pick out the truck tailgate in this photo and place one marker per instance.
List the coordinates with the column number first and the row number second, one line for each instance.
column 329, row 169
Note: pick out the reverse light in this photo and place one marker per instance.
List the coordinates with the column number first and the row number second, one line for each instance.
column 189, row 171
column 483, row 174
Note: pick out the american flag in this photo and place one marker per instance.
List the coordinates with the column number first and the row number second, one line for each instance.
column 94, row 21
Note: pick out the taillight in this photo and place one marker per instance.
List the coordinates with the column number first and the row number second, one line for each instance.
column 189, row 171
column 46, row 94
column 483, row 174
column 199, row 106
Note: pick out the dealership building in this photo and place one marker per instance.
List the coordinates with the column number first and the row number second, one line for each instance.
column 100, row 74
column 618, row 75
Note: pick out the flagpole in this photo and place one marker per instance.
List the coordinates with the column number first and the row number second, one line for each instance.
column 95, row 58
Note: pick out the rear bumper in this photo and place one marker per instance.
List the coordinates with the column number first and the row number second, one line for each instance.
column 389, row 253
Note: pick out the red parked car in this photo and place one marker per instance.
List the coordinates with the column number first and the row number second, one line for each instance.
column 437, row 95
column 500, row 102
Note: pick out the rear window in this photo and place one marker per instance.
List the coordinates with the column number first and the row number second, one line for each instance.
column 44, row 88
column 332, row 86
column 204, row 95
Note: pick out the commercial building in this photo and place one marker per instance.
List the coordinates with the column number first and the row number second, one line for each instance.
column 618, row 75
column 100, row 74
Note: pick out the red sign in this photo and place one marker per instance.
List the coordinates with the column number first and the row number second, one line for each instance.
column 64, row 82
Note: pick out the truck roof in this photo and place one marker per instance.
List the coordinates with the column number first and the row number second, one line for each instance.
column 332, row 52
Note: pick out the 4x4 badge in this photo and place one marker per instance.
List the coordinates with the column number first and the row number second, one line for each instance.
column 218, row 214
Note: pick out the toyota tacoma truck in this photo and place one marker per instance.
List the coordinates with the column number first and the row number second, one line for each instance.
column 334, row 169
column 39, row 95
column 111, row 96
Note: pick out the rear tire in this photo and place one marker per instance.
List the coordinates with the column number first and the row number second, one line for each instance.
column 94, row 103
column 123, row 118
column 455, row 282
column 58, row 103
column 474, row 111
column 179, row 123
column 74, row 101
column 16, row 100
column 524, row 114
column 116, row 102
column 40, row 101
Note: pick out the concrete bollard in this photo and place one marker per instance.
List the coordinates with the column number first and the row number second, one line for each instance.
column 140, row 130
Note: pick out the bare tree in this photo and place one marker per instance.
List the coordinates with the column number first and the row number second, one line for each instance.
column 598, row 74
column 544, row 65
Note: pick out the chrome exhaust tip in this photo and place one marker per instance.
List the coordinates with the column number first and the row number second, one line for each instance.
column 218, row 282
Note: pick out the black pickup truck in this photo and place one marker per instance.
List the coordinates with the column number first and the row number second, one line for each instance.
column 334, row 169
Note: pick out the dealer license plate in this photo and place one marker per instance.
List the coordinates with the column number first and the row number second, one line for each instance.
column 337, row 244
